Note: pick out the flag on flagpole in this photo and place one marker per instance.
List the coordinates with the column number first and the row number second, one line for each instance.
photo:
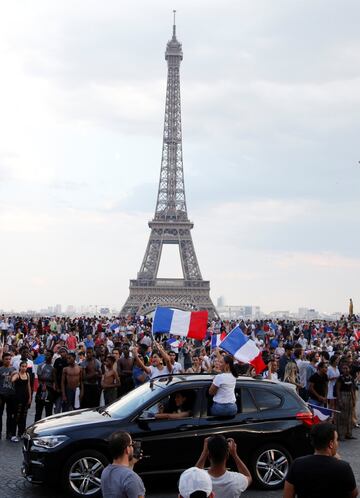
column 191, row 324
column 216, row 339
column 321, row 413
column 243, row 349
column 173, row 343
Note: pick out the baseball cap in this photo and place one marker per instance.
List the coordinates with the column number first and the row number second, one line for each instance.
column 194, row 479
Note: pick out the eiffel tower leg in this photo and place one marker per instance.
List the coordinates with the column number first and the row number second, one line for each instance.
column 188, row 258
column 151, row 261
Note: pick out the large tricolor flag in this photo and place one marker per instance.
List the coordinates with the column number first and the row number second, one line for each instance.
column 243, row 349
column 191, row 324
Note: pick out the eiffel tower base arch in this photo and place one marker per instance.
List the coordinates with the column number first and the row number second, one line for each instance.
column 172, row 293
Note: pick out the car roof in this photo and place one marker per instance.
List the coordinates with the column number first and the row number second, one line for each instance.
column 205, row 378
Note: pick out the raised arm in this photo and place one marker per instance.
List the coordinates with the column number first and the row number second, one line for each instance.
column 204, row 455
column 140, row 363
column 165, row 357
column 241, row 467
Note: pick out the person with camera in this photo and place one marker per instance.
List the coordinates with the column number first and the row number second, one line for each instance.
column 118, row 479
column 225, row 483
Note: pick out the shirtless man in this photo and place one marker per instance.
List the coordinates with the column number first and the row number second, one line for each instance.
column 70, row 381
column 110, row 381
column 125, row 370
column 91, row 377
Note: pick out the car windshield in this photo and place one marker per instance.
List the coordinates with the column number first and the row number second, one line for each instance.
column 128, row 404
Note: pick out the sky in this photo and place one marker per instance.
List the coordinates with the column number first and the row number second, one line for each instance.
column 271, row 121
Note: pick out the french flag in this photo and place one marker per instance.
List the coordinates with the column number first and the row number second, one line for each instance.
column 173, row 343
column 320, row 413
column 192, row 324
column 243, row 349
column 216, row 339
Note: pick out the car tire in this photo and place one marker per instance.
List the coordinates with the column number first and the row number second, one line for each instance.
column 269, row 466
column 82, row 473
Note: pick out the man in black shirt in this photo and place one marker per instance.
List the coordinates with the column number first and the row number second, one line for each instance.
column 59, row 365
column 321, row 475
column 318, row 385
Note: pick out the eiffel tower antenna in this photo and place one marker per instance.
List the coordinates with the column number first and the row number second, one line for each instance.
column 170, row 224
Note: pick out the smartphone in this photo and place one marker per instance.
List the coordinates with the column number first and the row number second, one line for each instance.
column 137, row 449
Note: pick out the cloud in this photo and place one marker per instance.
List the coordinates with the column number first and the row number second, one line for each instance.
column 271, row 113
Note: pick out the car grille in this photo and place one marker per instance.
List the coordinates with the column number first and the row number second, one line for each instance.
column 26, row 442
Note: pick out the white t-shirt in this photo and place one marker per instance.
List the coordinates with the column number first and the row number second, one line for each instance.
column 177, row 368
column 17, row 360
column 225, row 383
column 155, row 372
column 334, row 374
column 274, row 376
column 230, row 484
column 146, row 340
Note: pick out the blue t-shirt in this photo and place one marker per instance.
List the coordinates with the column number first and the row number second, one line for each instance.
column 39, row 359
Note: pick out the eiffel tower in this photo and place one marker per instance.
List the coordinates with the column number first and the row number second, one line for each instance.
column 170, row 224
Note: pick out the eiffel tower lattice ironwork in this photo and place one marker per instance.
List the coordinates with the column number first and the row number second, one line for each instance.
column 170, row 224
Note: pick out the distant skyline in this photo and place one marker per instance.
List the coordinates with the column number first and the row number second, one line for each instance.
column 270, row 115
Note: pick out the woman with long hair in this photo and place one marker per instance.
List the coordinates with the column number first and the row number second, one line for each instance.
column 21, row 381
column 223, row 388
column 291, row 375
column 345, row 403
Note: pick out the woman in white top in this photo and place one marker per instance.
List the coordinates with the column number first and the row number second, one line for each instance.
column 333, row 374
column 223, row 388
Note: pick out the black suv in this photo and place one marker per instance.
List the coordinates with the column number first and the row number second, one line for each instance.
column 270, row 429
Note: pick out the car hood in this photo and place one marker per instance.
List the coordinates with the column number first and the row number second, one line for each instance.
column 69, row 420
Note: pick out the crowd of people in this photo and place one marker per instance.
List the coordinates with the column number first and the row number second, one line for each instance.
column 63, row 363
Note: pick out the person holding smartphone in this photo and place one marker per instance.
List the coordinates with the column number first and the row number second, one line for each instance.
column 118, row 478
column 225, row 483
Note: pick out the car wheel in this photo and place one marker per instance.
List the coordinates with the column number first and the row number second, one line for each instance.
column 269, row 466
column 82, row 473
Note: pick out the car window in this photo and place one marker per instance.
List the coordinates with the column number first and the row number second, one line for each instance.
column 168, row 404
column 136, row 398
column 245, row 402
column 265, row 399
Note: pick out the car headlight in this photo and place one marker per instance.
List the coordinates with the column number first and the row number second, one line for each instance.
column 49, row 441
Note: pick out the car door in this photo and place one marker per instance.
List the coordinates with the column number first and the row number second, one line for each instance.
column 244, row 427
column 167, row 444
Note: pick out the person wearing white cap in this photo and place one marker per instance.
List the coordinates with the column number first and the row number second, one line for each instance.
column 195, row 483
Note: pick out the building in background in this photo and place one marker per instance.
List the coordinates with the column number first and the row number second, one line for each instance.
column 234, row 312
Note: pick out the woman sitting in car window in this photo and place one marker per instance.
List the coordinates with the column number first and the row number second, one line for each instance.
column 178, row 407
column 223, row 388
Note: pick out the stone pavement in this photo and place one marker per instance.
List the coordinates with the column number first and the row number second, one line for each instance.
column 13, row 485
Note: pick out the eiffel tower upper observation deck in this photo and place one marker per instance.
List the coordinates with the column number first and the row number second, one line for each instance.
column 170, row 224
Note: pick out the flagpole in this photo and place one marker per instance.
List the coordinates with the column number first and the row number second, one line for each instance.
column 317, row 406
